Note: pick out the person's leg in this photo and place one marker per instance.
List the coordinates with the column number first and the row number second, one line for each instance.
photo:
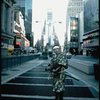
column 59, row 96
column 56, row 96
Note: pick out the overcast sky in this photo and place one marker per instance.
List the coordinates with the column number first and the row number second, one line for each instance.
column 40, row 8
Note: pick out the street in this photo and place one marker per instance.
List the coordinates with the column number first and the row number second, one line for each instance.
column 35, row 85
column 61, row 33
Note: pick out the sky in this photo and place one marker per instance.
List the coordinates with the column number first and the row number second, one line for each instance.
column 40, row 8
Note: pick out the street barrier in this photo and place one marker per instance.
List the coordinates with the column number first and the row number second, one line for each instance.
column 12, row 61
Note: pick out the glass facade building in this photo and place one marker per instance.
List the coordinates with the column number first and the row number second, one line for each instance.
column 91, row 27
column 73, row 10
column 26, row 9
column 74, row 34
column 91, row 17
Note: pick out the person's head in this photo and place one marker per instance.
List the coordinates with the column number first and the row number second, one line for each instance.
column 57, row 49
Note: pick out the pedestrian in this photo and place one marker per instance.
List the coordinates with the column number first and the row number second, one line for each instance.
column 74, row 52
column 56, row 68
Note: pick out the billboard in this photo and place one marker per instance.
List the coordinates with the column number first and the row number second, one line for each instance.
column 18, row 39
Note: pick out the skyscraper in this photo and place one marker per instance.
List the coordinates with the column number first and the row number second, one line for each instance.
column 49, row 21
column 21, row 5
column 73, row 10
column 26, row 9
column 91, row 28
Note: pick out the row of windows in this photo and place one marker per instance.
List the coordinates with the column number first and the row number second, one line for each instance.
column 76, row 0
column 74, row 9
column 74, row 35
column 75, row 3
column 73, row 39
column 8, row 41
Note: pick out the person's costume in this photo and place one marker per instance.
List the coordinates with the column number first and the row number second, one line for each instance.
column 57, row 65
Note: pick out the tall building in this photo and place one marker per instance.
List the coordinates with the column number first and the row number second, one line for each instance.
column 7, row 23
column 28, row 27
column 73, row 10
column 74, row 34
column 50, row 27
column 28, row 21
column 26, row 9
column 55, row 38
column 49, row 16
column 91, row 27
column 74, row 7
column 42, row 37
column 20, row 41
column 81, row 31
column 52, row 37
column 21, row 4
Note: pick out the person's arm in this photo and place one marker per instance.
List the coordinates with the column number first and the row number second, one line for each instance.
column 63, row 61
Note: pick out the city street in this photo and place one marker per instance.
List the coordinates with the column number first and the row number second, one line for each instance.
column 33, row 84
column 36, row 34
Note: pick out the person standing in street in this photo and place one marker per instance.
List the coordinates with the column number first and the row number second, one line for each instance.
column 56, row 70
